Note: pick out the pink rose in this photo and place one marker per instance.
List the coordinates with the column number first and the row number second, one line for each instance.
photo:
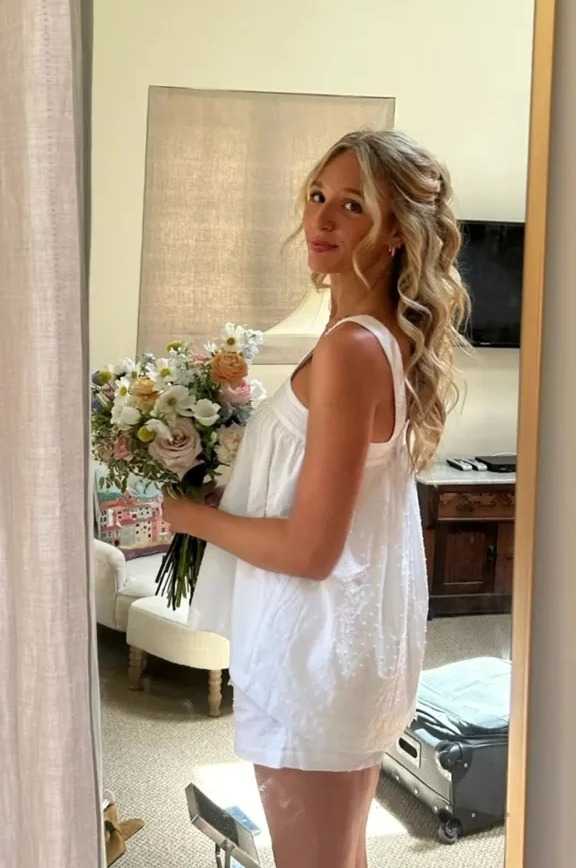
column 237, row 395
column 122, row 449
column 180, row 454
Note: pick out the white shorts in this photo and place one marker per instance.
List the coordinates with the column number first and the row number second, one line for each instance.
column 264, row 741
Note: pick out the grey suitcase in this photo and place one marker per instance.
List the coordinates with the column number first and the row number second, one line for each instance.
column 454, row 755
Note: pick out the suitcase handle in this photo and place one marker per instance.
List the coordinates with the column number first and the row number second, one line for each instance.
column 409, row 748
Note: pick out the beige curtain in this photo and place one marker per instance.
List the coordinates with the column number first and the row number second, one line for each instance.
column 49, row 730
column 223, row 170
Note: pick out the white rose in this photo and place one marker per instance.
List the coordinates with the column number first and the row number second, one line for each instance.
column 230, row 440
column 206, row 412
column 124, row 416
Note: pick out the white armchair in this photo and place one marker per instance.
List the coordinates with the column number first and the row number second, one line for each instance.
column 118, row 582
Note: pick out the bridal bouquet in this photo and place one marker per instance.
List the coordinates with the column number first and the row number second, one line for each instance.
column 176, row 421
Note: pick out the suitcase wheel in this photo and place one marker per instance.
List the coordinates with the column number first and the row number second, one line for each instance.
column 450, row 831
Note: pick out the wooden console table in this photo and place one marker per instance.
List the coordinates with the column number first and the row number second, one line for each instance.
column 468, row 523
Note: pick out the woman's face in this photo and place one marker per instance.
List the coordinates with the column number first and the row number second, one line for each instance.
column 336, row 220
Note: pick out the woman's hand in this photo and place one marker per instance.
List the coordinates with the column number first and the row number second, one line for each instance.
column 176, row 512
column 179, row 512
column 212, row 494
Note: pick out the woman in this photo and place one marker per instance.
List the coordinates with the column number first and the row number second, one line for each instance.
column 316, row 566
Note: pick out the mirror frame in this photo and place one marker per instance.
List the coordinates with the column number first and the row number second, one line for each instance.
column 528, row 422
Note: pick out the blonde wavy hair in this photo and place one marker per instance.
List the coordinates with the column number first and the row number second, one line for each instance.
column 433, row 304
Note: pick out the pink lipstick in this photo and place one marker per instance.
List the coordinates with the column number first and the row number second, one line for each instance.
column 318, row 246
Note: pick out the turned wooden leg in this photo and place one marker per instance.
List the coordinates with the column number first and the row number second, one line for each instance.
column 136, row 668
column 215, row 692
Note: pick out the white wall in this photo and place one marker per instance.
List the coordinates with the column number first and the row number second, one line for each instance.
column 460, row 73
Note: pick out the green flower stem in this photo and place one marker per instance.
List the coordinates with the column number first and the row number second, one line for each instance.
column 180, row 567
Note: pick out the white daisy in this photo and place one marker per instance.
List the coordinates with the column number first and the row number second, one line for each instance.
column 233, row 337
column 175, row 401
column 122, row 390
column 164, row 372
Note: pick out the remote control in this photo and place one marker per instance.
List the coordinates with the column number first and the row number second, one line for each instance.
column 477, row 465
column 459, row 463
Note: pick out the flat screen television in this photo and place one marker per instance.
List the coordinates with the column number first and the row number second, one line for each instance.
column 490, row 263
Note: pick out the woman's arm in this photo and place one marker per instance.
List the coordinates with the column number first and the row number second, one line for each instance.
column 349, row 376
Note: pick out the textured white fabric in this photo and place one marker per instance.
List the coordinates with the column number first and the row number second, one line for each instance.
column 338, row 660
column 264, row 741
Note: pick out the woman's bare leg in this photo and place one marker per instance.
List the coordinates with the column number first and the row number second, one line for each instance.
column 317, row 819
column 361, row 855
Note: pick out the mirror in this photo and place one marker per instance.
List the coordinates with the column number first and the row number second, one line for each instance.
column 175, row 125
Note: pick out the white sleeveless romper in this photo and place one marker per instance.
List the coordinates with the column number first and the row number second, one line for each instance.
column 325, row 673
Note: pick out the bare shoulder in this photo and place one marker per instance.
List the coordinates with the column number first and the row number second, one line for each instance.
column 350, row 354
column 348, row 334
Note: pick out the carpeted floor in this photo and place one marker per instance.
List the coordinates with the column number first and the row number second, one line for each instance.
column 156, row 742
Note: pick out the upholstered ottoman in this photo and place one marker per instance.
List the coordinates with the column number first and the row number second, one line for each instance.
column 154, row 628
